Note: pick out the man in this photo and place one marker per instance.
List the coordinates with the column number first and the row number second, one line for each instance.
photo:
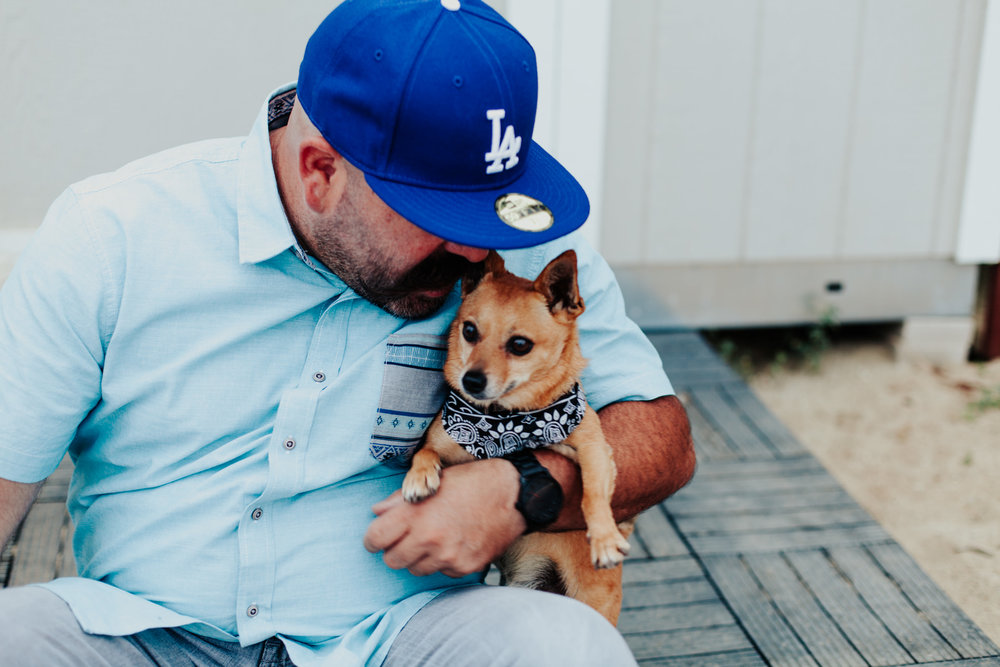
column 239, row 344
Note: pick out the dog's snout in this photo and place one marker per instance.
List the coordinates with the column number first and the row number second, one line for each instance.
column 474, row 382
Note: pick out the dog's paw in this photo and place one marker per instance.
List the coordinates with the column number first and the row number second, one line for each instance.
column 609, row 550
column 421, row 484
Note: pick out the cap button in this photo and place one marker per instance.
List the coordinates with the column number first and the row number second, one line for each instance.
column 451, row 5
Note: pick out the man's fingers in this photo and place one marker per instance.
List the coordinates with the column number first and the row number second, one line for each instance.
column 386, row 504
column 382, row 533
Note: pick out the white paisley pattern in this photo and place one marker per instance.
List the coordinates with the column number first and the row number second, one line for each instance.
column 493, row 434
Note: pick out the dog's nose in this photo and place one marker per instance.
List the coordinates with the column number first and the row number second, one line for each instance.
column 474, row 382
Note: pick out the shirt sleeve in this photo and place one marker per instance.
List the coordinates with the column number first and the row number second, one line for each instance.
column 54, row 322
column 622, row 364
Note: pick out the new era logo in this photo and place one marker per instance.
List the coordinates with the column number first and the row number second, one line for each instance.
column 503, row 149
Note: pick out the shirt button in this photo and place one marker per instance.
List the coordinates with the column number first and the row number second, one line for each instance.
column 256, row 514
column 289, row 444
column 319, row 376
column 252, row 610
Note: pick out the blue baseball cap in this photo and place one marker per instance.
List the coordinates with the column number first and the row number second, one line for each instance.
column 434, row 100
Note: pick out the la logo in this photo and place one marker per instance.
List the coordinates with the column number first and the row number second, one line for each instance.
column 505, row 149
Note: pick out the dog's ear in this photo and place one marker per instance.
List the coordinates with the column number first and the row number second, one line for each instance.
column 492, row 264
column 557, row 283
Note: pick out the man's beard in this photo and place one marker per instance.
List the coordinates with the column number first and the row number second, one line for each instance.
column 366, row 265
column 400, row 296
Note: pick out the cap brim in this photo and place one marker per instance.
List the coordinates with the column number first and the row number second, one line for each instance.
column 470, row 217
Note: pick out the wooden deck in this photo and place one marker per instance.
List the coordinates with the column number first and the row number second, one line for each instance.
column 762, row 560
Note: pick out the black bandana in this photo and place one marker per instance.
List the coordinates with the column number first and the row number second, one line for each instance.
column 488, row 435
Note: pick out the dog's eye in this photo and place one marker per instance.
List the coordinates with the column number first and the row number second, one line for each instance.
column 519, row 346
column 470, row 332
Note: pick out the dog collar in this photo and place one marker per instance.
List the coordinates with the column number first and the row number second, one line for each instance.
column 492, row 434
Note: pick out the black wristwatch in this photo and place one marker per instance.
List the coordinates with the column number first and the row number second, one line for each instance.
column 541, row 498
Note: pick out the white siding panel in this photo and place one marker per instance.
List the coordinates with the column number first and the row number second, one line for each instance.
column 967, row 57
column 807, row 67
column 629, row 130
column 704, row 63
column 900, row 121
column 979, row 235
column 570, row 38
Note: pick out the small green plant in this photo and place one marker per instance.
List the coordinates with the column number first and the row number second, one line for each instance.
column 754, row 351
column 818, row 339
column 810, row 348
column 989, row 399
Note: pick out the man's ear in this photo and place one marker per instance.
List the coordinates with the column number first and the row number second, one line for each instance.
column 557, row 283
column 323, row 172
column 492, row 264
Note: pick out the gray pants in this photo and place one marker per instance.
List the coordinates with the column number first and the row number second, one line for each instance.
column 469, row 626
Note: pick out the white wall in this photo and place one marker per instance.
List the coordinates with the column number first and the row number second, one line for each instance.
column 712, row 132
column 979, row 233
column 749, row 131
column 89, row 86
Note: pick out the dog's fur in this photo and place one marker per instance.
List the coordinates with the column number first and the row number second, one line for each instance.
column 503, row 307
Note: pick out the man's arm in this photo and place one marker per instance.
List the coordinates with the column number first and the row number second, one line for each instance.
column 15, row 499
column 472, row 519
column 651, row 442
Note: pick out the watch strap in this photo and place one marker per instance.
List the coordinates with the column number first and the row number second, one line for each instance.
column 540, row 497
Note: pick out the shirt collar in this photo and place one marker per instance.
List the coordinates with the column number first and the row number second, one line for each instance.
column 264, row 230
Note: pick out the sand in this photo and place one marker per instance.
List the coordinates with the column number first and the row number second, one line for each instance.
column 903, row 439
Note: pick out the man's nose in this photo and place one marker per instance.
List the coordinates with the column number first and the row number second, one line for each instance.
column 474, row 255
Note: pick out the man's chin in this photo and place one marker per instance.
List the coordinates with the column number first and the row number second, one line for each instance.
column 416, row 306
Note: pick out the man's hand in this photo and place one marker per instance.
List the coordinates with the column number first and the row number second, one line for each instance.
column 458, row 531
column 472, row 519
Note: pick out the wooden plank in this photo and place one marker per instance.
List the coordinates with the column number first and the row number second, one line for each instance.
column 702, row 379
column 773, row 541
column 817, row 631
column 661, row 569
column 905, row 622
column 66, row 563
column 680, row 344
column 675, row 592
column 761, row 468
column 695, row 642
column 709, row 445
column 6, row 556
column 769, row 521
column 866, row 632
column 768, row 629
column 36, row 557
column 776, row 433
column 675, row 617
column 637, row 550
column 750, row 485
column 729, row 422
column 744, row 658
column 691, row 501
column 963, row 635
column 658, row 534
column 971, row 662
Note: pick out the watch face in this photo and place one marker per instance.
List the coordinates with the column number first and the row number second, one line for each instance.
column 541, row 499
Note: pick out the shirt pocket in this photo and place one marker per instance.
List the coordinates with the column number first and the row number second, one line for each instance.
column 413, row 390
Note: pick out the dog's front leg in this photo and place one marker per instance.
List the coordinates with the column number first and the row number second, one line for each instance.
column 424, row 477
column 608, row 546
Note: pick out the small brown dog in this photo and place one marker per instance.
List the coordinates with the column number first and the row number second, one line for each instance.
column 513, row 348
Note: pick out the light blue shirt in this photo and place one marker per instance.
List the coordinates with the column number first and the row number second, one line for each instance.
column 232, row 408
